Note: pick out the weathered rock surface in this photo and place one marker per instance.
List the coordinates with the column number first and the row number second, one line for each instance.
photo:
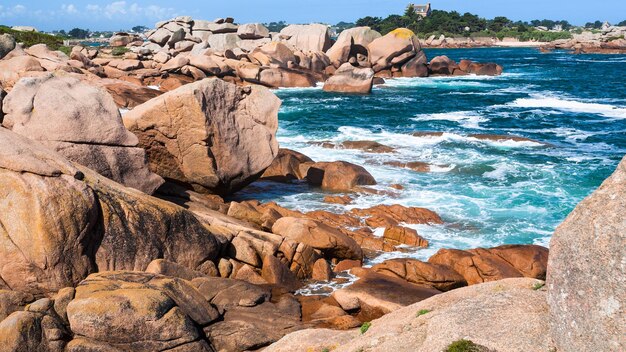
column 350, row 43
column 338, row 176
column 311, row 37
column 286, row 166
column 139, row 312
column 350, row 79
column 332, row 242
column 376, row 294
column 253, row 31
column 189, row 134
column 483, row 265
column 82, row 123
column 586, row 271
column 82, row 222
column 507, row 315
column 439, row 277
column 7, row 43
column 395, row 48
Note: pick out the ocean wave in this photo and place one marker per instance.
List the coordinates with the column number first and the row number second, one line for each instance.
column 537, row 101
column 467, row 119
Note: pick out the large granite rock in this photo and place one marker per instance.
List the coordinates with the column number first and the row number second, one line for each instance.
column 587, row 272
column 482, row 265
column 7, row 43
column 139, row 312
column 253, row 31
column 351, row 42
column 81, row 122
column 331, row 241
column 62, row 221
column 507, row 315
column 375, row 294
column 350, row 79
column 395, row 48
column 211, row 135
column 309, row 37
column 12, row 69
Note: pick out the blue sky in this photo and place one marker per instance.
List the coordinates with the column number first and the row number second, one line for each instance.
column 122, row 14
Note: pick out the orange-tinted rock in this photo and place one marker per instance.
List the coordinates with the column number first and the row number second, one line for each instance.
column 128, row 95
column 392, row 215
column 402, row 235
column 331, row 241
column 339, row 176
column 504, row 137
column 336, row 220
column 347, row 264
column 277, row 273
column 417, row 166
column 343, row 200
column 437, row 276
column 380, row 293
column 483, row 265
column 286, row 166
column 442, row 65
column 322, row 270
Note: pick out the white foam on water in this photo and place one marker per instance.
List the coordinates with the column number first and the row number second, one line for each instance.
column 318, row 86
column 537, row 101
column 467, row 119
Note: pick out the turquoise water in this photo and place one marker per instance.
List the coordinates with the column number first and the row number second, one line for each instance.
column 489, row 193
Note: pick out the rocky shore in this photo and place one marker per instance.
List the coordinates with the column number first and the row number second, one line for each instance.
column 115, row 235
column 184, row 50
column 609, row 41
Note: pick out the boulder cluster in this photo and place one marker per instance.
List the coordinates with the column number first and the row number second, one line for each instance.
column 183, row 50
column 608, row 41
column 114, row 235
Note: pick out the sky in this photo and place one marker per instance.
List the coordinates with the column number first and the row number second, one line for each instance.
column 48, row 15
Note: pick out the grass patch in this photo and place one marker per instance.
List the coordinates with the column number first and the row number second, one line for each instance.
column 422, row 312
column 65, row 50
column 325, row 350
column 32, row 38
column 366, row 326
column 463, row 346
column 538, row 285
column 119, row 51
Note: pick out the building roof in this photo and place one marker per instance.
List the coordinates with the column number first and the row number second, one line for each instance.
column 422, row 8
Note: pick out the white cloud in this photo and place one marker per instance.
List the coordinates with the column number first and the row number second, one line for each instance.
column 70, row 9
column 121, row 11
column 14, row 11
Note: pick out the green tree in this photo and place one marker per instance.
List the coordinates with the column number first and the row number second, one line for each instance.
column 499, row 23
column 139, row 29
column 369, row 21
column 78, row 33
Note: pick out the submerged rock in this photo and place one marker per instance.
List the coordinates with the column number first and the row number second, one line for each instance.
column 189, row 134
column 586, row 272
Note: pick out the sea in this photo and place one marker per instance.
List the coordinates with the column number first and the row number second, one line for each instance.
column 489, row 193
